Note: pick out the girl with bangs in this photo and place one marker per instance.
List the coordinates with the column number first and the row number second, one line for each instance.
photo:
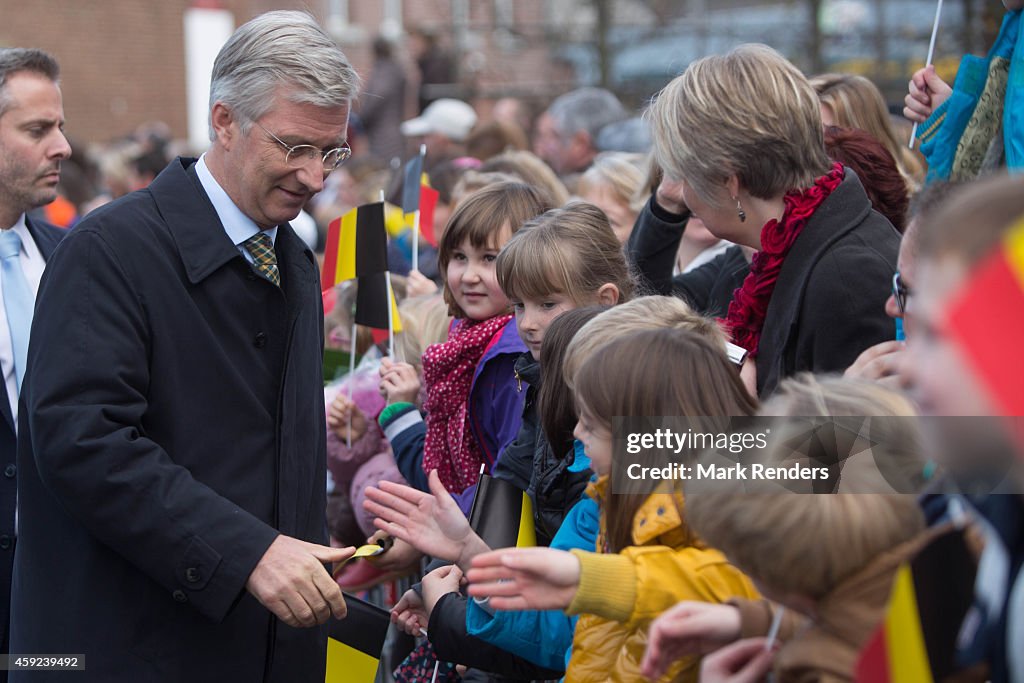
column 472, row 404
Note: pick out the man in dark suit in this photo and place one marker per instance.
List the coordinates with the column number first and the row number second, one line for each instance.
column 172, row 487
column 32, row 146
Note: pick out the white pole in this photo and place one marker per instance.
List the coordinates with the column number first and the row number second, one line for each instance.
column 351, row 378
column 416, row 219
column 931, row 54
column 391, row 322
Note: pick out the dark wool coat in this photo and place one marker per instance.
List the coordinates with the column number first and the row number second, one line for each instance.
column 172, row 425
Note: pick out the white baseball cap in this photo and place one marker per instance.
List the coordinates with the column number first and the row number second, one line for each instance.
column 450, row 118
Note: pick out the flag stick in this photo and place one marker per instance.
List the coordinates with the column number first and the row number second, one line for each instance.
column 416, row 221
column 773, row 632
column 351, row 378
column 931, row 54
column 391, row 321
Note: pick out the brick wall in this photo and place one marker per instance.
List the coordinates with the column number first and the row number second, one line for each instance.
column 123, row 60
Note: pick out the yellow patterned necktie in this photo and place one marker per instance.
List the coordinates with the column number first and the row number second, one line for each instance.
column 262, row 249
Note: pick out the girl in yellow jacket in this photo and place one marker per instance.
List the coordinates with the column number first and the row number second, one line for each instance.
column 647, row 559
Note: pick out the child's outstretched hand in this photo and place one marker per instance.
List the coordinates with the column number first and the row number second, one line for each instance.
column 745, row 661
column 338, row 417
column 430, row 522
column 689, row 628
column 525, row 578
column 438, row 583
column 409, row 614
column 399, row 382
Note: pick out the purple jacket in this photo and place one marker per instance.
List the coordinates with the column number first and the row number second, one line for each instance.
column 496, row 409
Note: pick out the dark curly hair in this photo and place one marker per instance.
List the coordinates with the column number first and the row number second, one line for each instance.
column 875, row 167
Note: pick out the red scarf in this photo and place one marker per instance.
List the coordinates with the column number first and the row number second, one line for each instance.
column 448, row 369
column 749, row 305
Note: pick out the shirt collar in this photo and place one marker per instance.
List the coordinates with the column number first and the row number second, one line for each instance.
column 28, row 245
column 237, row 225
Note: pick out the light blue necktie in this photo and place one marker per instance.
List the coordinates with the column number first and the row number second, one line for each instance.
column 18, row 299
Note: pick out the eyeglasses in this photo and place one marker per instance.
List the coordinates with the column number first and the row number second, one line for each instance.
column 300, row 155
column 900, row 292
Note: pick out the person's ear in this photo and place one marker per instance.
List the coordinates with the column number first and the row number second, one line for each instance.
column 732, row 186
column 608, row 295
column 225, row 126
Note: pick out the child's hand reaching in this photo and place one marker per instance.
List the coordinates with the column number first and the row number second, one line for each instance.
column 745, row 661
column 438, row 583
column 399, row 382
column 409, row 613
column 689, row 628
column 525, row 578
column 399, row 557
column 430, row 522
column 338, row 418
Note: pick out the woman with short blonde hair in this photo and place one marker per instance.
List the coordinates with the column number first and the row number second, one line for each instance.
column 739, row 137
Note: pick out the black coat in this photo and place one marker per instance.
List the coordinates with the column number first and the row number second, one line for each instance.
column 46, row 237
column 173, row 425
column 829, row 301
column 652, row 248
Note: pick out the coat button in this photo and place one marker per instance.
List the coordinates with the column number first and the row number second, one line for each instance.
column 192, row 575
column 179, row 596
column 10, row 471
column 5, row 542
column 260, row 340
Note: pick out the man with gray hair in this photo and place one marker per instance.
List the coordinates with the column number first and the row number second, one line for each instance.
column 567, row 132
column 172, row 465
column 32, row 145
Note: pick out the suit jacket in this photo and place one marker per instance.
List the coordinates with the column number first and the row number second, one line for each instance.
column 180, row 433
column 46, row 237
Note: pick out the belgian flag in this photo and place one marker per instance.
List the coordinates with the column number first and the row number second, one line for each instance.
column 988, row 310
column 930, row 597
column 355, row 643
column 502, row 514
column 357, row 245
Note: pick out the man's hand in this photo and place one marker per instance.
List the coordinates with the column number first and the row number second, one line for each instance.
column 525, row 578
column 290, row 580
column 689, row 628
column 399, row 382
column 341, row 410
column 925, row 93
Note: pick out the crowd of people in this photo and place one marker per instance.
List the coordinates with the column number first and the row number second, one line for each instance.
column 183, row 493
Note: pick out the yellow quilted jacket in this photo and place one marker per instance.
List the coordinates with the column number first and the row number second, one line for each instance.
column 619, row 595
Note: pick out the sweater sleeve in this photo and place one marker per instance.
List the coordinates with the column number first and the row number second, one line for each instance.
column 542, row 637
column 641, row 582
column 756, row 618
column 407, row 432
column 447, row 633
column 653, row 245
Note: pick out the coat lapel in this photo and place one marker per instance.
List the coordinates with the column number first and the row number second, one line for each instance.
column 829, row 222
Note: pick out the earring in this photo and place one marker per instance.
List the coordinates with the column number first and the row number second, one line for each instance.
column 740, row 212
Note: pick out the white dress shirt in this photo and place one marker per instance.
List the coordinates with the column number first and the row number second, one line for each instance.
column 237, row 225
column 32, row 264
